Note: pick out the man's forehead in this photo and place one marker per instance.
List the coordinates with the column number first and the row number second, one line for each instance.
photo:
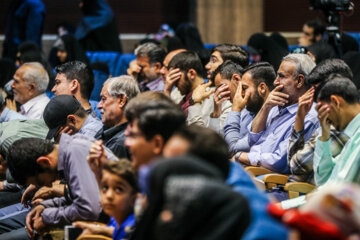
column 287, row 67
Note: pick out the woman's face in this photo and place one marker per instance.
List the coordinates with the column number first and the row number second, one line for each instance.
column 62, row 55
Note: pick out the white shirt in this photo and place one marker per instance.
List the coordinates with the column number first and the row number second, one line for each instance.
column 34, row 108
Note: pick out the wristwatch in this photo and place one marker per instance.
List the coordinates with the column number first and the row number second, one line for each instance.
column 191, row 101
column 237, row 155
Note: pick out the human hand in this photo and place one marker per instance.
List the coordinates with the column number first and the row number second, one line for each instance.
column 93, row 228
column 173, row 76
column 304, row 105
column 200, row 93
column 240, row 101
column 134, row 69
column 28, row 194
column 97, row 156
column 11, row 104
column 276, row 98
column 323, row 113
column 222, row 93
column 32, row 220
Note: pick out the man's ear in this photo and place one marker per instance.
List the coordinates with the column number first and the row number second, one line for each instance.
column 301, row 81
column 158, row 66
column 236, row 77
column 262, row 89
column 122, row 100
column 71, row 120
column 191, row 74
column 74, row 85
column 158, row 144
column 336, row 100
column 44, row 162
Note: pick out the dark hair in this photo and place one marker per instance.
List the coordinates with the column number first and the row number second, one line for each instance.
column 340, row 86
column 227, row 69
column 157, row 116
column 22, row 156
column 28, row 46
column 123, row 169
column 208, row 145
column 81, row 72
column 262, row 72
column 234, row 53
column 318, row 26
column 322, row 51
column 155, row 53
column 324, row 69
column 187, row 60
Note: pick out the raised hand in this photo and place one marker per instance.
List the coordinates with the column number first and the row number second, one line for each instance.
column 173, row 76
column 323, row 113
column 134, row 69
column 199, row 94
column 304, row 105
column 240, row 101
column 96, row 158
column 222, row 93
column 276, row 98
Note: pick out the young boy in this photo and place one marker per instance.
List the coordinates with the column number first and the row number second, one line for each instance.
column 118, row 190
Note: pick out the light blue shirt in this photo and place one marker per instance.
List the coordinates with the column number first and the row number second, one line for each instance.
column 269, row 147
column 8, row 115
column 91, row 126
column 236, row 130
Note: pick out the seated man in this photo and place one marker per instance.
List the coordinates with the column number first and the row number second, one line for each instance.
column 338, row 105
column 65, row 114
column 196, row 103
column 7, row 114
column 40, row 162
column 149, row 58
column 115, row 95
column 300, row 155
column 30, row 83
column 209, row 146
column 271, row 128
column 247, row 95
column 77, row 79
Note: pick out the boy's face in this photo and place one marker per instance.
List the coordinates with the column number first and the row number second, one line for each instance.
column 117, row 196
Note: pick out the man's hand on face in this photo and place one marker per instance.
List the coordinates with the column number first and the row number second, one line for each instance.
column 240, row 101
column 222, row 93
column 276, row 98
column 173, row 76
column 134, row 69
column 200, row 93
column 323, row 113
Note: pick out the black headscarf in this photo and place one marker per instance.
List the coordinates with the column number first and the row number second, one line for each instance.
column 352, row 59
column 268, row 49
column 322, row 51
column 74, row 50
column 7, row 71
column 200, row 204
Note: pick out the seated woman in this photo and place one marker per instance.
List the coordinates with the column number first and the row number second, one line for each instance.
column 118, row 189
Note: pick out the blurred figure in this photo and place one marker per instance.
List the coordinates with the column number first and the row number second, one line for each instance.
column 97, row 30
column 312, row 32
column 24, row 23
column 353, row 60
column 69, row 49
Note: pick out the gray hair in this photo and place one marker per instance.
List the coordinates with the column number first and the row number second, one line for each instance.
column 152, row 51
column 123, row 85
column 304, row 63
column 36, row 73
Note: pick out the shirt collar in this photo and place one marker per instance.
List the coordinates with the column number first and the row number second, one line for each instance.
column 292, row 109
column 353, row 126
column 110, row 132
column 29, row 104
column 154, row 85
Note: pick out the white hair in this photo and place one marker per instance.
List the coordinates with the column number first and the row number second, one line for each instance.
column 36, row 73
column 123, row 84
column 303, row 63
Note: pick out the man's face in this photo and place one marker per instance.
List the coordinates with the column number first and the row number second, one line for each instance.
column 62, row 85
column 164, row 69
column 285, row 78
column 21, row 88
column 255, row 100
column 307, row 37
column 111, row 112
column 215, row 61
column 184, row 84
column 334, row 117
column 220, row 81
column 176, row 146
column 141, row 149
column 149, row 72
column 117, row 196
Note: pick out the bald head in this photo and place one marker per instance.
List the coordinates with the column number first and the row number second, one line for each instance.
column 164, row 70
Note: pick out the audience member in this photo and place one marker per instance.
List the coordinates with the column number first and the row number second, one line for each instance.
column 271, row 127
column 77, row 79
column 6, row 114
column 352, row 59
column 115, row 95
column 118, row 189
column 312, row 32
column 338, row 105
column 30, row 83
column 301, row 153
column 247, row 95
column 64, row 114
column 149, row 58
column 196, row 103
column 69, row 49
